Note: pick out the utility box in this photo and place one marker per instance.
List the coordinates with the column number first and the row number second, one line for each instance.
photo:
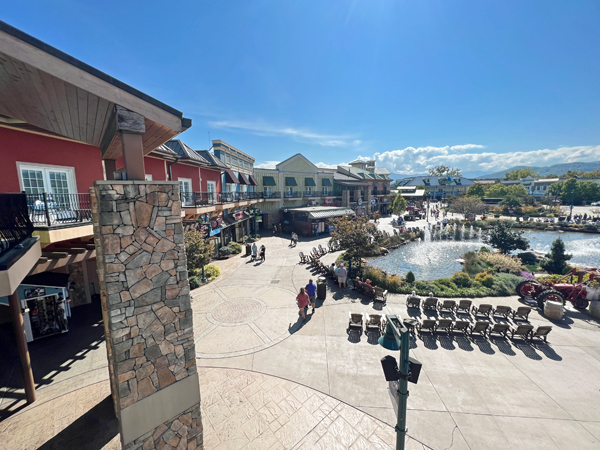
column 321, row 288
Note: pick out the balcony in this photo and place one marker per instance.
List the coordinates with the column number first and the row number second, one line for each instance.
column 56, row 210
column 293, row 194
column 311, row 194
column 380, row 192
column 271, row 195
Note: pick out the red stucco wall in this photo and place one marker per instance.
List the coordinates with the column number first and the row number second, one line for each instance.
column 17, row 146
column 156, row 168
column 185, row 171
column 210, row 175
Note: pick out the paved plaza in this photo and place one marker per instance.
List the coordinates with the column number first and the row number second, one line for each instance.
column 270, row 381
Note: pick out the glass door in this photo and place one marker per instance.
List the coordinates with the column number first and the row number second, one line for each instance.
column 185, row 187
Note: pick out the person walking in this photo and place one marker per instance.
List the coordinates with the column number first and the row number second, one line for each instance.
column 279, row 228
column 311, row 290
column 262, row 252
column 302, row 300
column 292, row 240
column 254, row 251
column 341, row 274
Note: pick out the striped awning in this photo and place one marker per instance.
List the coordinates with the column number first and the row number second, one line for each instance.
column 230, row 177
column 333, row 213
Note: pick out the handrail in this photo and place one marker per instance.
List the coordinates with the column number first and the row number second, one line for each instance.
column 58, row 209
column 15, row 224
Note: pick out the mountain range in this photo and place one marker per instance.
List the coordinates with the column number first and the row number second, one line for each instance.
column 558, row 169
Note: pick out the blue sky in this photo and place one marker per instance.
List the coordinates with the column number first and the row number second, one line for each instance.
column 477, row 85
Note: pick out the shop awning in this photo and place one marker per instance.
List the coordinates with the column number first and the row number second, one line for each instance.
column 269, row 181
column 290, row 181
column 309, row 182
column 230, row 219
column 242, row 178
column 230, row 177
column 327, row 214
column 326, row 182
column 252, row 180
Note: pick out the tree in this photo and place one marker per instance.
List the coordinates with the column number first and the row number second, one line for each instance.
column 556, row 260
column 356, row 234
column 197, row 249
column 505, row 240
column 520, row 174
column 476, row 190
column 399, row 205
column 496, row 191
column 466, row 205
column 516, row 195
column 444, row 171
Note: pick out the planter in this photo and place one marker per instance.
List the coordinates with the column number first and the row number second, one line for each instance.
column 554, row 310
column 595, row 309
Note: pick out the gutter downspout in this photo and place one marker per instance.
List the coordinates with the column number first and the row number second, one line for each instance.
column 169, row 168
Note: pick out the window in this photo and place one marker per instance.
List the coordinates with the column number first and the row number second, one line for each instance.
column 289, row 191
column 211, row 187
column 227, row 158
column 185, row 187
column 234, row 161
column 325, row 190
column 58, row 181
column 148, row 177
column 308, row 190
column 268, row 191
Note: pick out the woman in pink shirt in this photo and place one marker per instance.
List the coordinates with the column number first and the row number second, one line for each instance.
column 302, row 300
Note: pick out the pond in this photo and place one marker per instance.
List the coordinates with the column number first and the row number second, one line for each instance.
column 437, row 259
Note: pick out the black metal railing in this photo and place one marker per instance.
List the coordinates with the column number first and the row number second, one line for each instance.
column 293, row 194
column 15, row 224
column 380, row 192
column 271, row 195
column 58, row 209
column 200, row 199
column 311, row 194
column 255, row 195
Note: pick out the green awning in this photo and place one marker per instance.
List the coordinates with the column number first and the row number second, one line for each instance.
column 269, row 181
column 290, row 181
column 309, row 182
column 326, row 182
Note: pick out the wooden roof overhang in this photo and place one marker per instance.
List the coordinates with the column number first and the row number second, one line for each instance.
column 46, row 89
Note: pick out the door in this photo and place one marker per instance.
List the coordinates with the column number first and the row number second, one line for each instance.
column 185, row 187
column 268, row 191
column 211, row 187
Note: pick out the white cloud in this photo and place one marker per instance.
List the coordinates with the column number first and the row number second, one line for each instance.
column 323, row 165
column 302, row 135
column 411, row 160
column 267, row 165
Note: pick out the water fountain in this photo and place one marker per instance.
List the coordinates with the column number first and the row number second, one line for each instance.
column 427, row 235
column 462, row 232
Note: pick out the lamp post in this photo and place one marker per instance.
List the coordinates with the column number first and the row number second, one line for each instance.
column 572, row 195
column 203, row 279
column 396, row 337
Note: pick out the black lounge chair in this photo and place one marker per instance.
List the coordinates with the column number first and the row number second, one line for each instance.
column 541, row 332
column 482, row 310
column 521, row 313
column 502, row 311
column 413, row 301
column 447, row 305
column 427, row 325
column 481, row 327
column 500, row 329
column 524, row 331
column 444, row 324
column 464, row 306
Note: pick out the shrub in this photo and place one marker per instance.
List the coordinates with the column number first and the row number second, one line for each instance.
column 410, row 277
column 235, row 248
column 379, row 278
column 225, row 251
column 527, row 275
column 484, row 250
column 505, row 284
column 502, row 263
column 462, row 279
column 485, row 279
column 556, row 260
column 211, row 272
column 527, row 258
column 194, row 283
column 473, row 263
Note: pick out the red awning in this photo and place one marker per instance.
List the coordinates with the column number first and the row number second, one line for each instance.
column 230, row 177
column 243, row 179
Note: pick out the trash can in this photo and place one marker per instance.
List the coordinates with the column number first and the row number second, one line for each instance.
column 321, row 288
column 248, row 249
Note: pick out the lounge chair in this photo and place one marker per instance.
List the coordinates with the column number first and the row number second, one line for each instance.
column 358, row 285
column 303, row 258
column 522, row 330
column 499, row 328
column 502, row 311
column 322, row 250
column 380, row 295
column 427, row 325
column 464, row 306
column 447, row 305
column 413, row 302
column 482, row 310
column 368, row 290
column 461, row 325
column 521, row 313
column 481, row 327
column 355, row 320
column 541, row 332
column 373, row 321
column 430, row 303
column 444, row 324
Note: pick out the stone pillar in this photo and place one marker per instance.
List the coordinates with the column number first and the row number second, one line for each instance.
column 147, row 313
column 346, row 198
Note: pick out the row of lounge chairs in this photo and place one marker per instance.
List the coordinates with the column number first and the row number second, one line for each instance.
column 319, row 251
column 369, row 321
column 467, row 307
column 525, row 331
column 374, row 292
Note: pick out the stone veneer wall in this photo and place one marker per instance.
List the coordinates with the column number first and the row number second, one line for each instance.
column 147, row 313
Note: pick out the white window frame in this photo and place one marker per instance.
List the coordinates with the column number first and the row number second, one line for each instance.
column 182, row 182
column 289, row 191
column 211, row 188
column 268, row 191
column 45, row 168
column 308, row 190
column 326, row 190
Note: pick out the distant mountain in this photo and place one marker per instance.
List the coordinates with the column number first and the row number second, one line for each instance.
column 558, row 169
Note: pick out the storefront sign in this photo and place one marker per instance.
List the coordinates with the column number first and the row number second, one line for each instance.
column 238, row 215
column 259, row 219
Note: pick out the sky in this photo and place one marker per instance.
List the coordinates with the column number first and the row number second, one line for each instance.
column 482, row 86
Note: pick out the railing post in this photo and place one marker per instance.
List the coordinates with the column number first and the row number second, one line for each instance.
column 46, row 210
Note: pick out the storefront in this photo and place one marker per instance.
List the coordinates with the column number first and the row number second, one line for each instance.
column 45, row 304
column 239, row 224
column 313, row 220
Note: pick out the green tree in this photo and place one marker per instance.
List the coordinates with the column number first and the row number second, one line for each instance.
column 516, row 195
column 476, row 190
column 556, row 260
column 444, row 171
column 496, row 191
column 502, row 238
column 519, row 174
column 466, row 205
column 197, row 249
column 356, row 235
column 399, row 205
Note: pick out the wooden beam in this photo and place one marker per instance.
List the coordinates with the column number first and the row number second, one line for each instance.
column 55, row 255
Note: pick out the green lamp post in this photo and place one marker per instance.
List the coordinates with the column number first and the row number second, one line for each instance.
column 396, row 337
column 203, row 278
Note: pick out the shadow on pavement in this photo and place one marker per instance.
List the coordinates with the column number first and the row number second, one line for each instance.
column 373, row 337
column 504, row 346
column 548, row 352
column 484, row 346
column 93, row 430
column 464, row 343
column 354, row 335
column 447, row 342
